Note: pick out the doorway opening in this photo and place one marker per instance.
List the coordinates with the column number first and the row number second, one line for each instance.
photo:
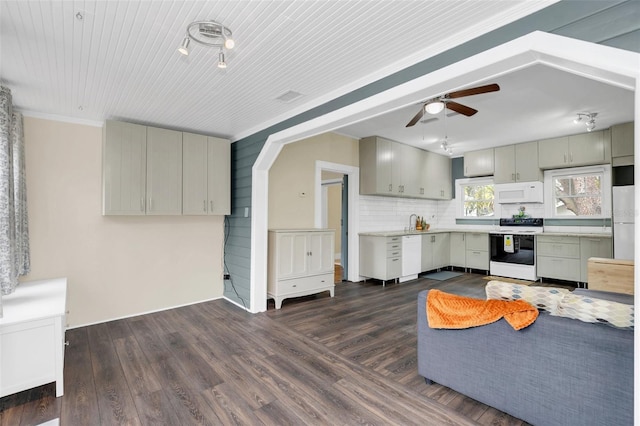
column 334, row 211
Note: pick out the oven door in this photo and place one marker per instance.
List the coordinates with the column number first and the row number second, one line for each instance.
column 520, row 251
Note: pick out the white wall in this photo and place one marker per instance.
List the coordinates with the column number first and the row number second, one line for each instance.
column 116, row 266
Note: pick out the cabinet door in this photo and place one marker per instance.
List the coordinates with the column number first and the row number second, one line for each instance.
column 553, row 153
column 164, row 171
column 292, row 255
column 457, row 251
column 441, row 250
column 586, row 149
column 622, row 140
column 124, row 168
column 321, row 252
column 406, row 170
column 426, row 263
column 526, row 156
column 194, row 188
column 505, row 164
column 437, row 176
column 219, row 176
column 479, row 163
column 384, row 161
column 593, row 247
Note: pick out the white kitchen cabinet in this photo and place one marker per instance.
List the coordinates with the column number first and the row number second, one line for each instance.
column 622, row 144
column 435, row 251
column 381, row 257
column 164, row 171
column 458, row 249
column 477, row 250
column 558, row 257
column 300, row 262
column 206, row 175
column 436, row 176
column 517, row 163
column 124, row 168
column 593, row 247
column 32, row 336
column 479, row 163
column 576, row 150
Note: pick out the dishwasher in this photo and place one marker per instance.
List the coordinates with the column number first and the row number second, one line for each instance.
column 411, row 257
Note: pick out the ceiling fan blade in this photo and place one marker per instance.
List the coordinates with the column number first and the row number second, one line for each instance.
column 473, row 91
column 417, row 117
column 462, row 109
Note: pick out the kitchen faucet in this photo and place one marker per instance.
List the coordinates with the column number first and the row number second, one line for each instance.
column 412, row 222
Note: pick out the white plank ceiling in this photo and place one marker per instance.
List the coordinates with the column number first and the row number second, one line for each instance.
column 120, row 60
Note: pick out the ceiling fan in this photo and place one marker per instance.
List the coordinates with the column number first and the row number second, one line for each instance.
column 435, row 105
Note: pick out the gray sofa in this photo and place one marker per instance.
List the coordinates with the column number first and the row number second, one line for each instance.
column 558, row 371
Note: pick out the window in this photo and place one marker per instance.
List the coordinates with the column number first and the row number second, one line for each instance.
column 475, row 197
column 579, row 193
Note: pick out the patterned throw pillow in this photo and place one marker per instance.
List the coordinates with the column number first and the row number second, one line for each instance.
column 590, row 309
column 545, row 298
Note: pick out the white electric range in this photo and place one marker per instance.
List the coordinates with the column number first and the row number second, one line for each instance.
column 512, row 248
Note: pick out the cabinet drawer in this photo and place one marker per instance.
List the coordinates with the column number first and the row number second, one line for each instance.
column 394, row 267
column 557, row 239
column 394, row 246
column 559, row 268
column 293, row 286
column 394, row 252
column 559, row 249
column 477, row 259
column 477, row 241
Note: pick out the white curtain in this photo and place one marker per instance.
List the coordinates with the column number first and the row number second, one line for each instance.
column 14, row 231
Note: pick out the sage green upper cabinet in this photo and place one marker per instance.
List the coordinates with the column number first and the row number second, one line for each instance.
column 206, row 175
column 576, row 150
column 517, row 163
column 406, row 170
column 622, row 144
column 479, row 163
column 436, row 176
column 124, row 167
column 376, row 156
column 164, row 171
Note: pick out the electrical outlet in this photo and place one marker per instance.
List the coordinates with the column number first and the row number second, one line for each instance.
column 226, row 276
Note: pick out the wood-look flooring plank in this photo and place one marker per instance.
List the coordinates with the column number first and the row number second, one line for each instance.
column 229, row 406
column 115, row 402
column 154, row 408
column 42, row 406
column 80, row 402
column 137, row 371
column 200, row 374
column 275, row 413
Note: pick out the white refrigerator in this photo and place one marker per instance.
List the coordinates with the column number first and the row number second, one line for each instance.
column 623, row 222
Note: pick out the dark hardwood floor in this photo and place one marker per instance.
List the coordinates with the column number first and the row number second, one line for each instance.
column 345, row 360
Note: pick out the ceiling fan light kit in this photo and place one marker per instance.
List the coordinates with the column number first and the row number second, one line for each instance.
column 590, row 118
column 210, row 34
column 434, row 107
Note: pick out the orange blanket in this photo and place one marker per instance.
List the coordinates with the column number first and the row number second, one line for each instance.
column 446, row 310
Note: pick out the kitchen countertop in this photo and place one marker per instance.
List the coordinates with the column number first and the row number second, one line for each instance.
column 400, row 233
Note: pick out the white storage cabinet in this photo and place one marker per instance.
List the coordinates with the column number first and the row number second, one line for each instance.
column 32, row 336
column 300, row 262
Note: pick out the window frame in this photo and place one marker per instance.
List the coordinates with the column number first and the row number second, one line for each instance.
column 549, row 190
column 481, row 181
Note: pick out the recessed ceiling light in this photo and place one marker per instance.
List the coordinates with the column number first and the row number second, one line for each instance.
column 289, row 96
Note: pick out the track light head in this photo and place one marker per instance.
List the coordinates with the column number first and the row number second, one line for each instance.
column 221, row 62
column 184, row 47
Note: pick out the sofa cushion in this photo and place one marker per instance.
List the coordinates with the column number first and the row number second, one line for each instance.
column 627, row 299
column 591, row 309
column 545, row 298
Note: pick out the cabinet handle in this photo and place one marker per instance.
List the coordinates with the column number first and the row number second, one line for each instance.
column 517, row 176
column 395, row 253
column 433, row 238
column 571, row 157
column 141, row 204
column 211, row 204
column 394, row 260
column 513, row 176
column 150, row 204
column 463, row 237
column 390, row 187
column 204, row 205
column 565, row 158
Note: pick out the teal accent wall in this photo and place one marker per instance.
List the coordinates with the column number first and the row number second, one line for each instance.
column 612, row 23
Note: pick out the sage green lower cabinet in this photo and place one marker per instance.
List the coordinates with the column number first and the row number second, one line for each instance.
column 477, row 250
column 457, row 250
column 593, row 247
column 558, row 257
column 381, row 257
column 566, row 257
column 435, row 251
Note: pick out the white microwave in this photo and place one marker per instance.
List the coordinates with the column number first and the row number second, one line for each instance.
column 520, row 192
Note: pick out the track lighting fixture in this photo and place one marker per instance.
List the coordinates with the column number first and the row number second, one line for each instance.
column 211, row 34
column 445, row 146
column 590, row 118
